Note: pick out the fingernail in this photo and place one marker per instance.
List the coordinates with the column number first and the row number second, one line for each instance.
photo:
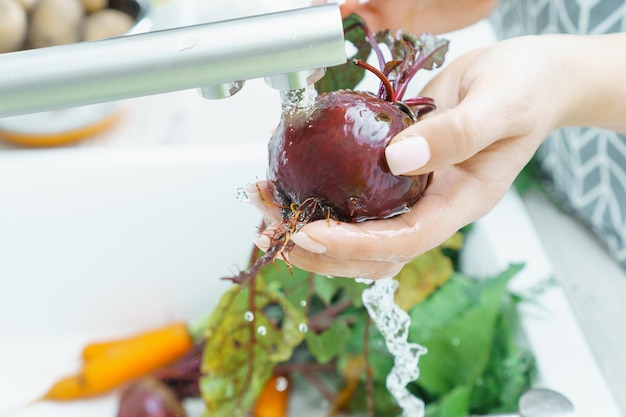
column 407, row 154
column 306, row 242
column 262, row 242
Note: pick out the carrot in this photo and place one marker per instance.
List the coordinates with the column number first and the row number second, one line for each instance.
column 352, row 374
column 149, row 340
column 99, row 349
column 274, row 398
column 107, row 365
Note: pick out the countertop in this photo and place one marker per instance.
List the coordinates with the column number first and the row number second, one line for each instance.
column 594, row 283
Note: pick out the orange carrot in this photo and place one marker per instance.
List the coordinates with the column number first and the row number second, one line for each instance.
column 98, row 349
column 274, row 398
column 149, row 340
column 107, row 365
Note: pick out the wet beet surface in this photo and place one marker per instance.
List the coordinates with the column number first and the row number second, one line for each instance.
column 334, row 153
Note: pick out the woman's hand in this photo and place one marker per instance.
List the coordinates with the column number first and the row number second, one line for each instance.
column 418, row 16
column 495, row 106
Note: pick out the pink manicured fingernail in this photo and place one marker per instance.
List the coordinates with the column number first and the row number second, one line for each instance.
column 262, row 242
column 306, row 242
column 408, row 154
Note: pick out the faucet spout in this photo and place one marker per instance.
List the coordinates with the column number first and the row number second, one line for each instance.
column 290, row 49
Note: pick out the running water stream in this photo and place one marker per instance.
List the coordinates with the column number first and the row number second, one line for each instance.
column 300, row 99
column 393, row 323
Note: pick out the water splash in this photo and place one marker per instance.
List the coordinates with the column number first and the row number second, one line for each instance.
column 297, row 100
column 282, row 384
column 248, row 316
column 242, row 195
column 393, row 323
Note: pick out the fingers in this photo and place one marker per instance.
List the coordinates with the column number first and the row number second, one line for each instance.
column 379, row 248
column 335, row 267
column 452, row 201
column 321, row 263
column 447, row 138
column 457, row 196
column 261, row 197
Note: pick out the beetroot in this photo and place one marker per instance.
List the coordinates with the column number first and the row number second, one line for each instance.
column 331, row 160
column 149, row 397
column 327, row 160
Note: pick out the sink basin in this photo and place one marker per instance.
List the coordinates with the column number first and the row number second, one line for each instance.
column 98, row 243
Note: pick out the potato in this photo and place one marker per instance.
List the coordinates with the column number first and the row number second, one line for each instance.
column 56, row 22
column 94, row 5
column 28, row 5
column 13, row 23
column 107, row 24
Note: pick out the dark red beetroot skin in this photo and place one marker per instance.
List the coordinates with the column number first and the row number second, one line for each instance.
column 343, row 133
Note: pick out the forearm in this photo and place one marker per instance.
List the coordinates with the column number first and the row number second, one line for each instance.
column 595, row 70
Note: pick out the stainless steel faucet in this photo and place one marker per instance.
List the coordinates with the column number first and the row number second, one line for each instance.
column 289, row 49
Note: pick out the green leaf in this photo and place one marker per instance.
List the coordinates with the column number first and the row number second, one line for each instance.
column 293, row 284
column 421, row 277
column 348, row 75
column 511, row 368
column 458, row 353
column 238, row 357
column 448, row 303
column 327, row 289
column 459, row 337
column 329, row 344
column 380, row 360
column 453, row 404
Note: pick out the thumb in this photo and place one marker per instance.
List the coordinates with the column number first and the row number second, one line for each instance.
column 446, row 138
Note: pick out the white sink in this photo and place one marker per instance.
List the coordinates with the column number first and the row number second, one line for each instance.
column 98, row 243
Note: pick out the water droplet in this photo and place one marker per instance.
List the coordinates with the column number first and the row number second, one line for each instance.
column 303, row 328
column 261, row 330
column 303, row 303
column 248, row 316
column 242, row 196
column 282, row 384
column 455, row 341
